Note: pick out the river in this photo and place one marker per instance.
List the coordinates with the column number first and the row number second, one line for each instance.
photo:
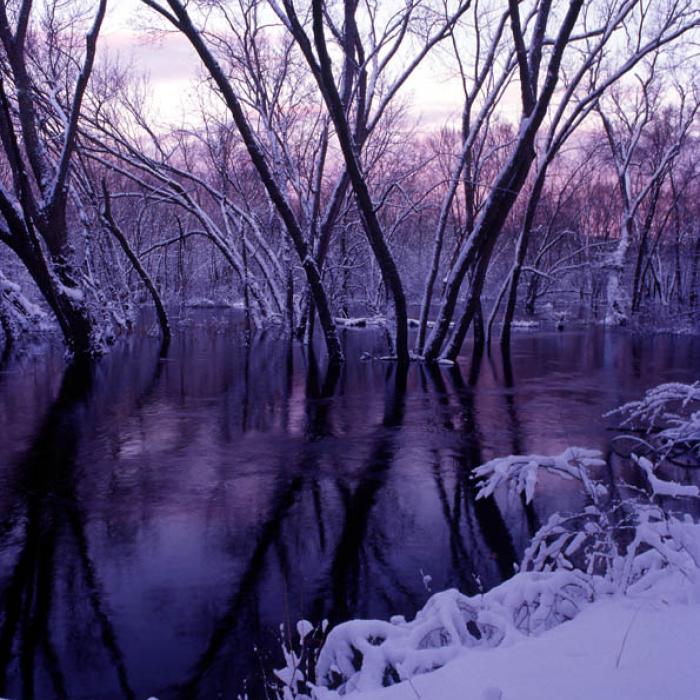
column 161, row 518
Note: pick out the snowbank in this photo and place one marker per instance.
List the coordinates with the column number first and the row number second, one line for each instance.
column 630, row 632
column 614, row 650
column 606, row 603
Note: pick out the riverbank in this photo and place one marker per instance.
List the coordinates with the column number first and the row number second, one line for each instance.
column 615, row 649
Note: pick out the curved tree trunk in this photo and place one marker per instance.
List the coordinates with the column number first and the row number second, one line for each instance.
column 138, row 267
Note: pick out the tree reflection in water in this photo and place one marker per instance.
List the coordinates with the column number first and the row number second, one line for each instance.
column 53, row 578
column 168, row 514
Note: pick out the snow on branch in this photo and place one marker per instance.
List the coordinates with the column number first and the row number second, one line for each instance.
column 669, row 417
column 655, row 409
column 522, row 471
column 366, row 654
column 662, row 487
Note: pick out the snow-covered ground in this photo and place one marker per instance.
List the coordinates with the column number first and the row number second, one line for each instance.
column 606, row 604
column 618, row 649
column 637, row 644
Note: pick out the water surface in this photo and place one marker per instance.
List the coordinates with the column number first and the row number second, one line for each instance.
column 160, row 519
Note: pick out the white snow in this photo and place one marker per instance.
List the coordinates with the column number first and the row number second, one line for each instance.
column 7, row 286
column 522, row 470
column 360, row 321
column 446, row 362
column 606, row 603
column 661, row 487
column 304, row 629
column 73, row 293
column 617, row 649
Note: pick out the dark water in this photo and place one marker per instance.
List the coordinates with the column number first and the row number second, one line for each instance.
column 160, row 519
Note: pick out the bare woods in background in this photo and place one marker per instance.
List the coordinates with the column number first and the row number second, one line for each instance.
column 300, row 185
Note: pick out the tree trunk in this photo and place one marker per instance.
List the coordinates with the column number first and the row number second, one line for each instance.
column 693, row 296
column 472, row 310
column 138, row 267
column 66, row 302
column 371, row 225
column 277, row 197
column 617, row 301
column 486, row 229
column 520, row 253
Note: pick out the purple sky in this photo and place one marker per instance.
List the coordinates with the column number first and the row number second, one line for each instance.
column 172, row 68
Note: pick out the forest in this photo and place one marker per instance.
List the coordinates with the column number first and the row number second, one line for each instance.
column 566, row 186
column 349, row 348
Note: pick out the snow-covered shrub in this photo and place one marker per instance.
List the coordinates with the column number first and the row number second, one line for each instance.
column 664, row 546
column 665, row 424
column 300, row 658
column 366, row 654
column 622, row 542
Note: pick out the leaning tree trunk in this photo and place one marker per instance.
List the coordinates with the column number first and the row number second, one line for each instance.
column 114, row 229
column 472, row 311
column 486, row 229
column 641, row 253
column 56, row 282
column 520, row 253
column 183, row 22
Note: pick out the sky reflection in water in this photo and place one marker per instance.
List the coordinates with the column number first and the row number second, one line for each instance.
column 159, row 519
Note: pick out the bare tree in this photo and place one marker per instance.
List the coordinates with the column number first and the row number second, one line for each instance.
column 535, row 100
column 589, row 74
column 116, row 231
column 626, row 123
column 39, row 149
column 178, row 15
column 363, row 64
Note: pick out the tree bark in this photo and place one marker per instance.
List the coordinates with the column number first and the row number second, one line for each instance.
column 521, row 252
column 114, row 229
